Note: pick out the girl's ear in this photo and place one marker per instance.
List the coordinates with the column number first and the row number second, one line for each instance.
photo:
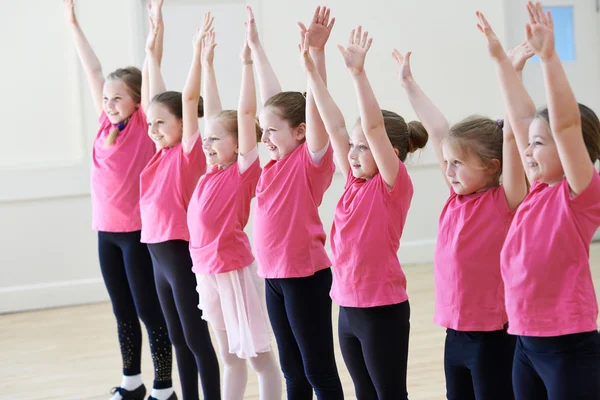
column 300, row 131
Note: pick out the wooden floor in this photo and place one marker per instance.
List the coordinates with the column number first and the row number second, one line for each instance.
column 72, row 353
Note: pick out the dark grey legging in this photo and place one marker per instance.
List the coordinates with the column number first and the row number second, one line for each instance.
column 374, row 343
column 557, row 368
column 127, row 271
column 176, row 286
column 300, row 314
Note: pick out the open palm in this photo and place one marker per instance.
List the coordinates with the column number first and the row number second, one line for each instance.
column 540, row 31
column 319, row 29
column 519, row 55
column 208, row 49
column 494, row 45
column 404, row 72
column 358, row 46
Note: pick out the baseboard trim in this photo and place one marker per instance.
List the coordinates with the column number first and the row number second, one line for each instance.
column 417, row 251
column 54, row 294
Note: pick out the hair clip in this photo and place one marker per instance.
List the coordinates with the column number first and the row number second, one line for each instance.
column 121, row 125
column 500, row 123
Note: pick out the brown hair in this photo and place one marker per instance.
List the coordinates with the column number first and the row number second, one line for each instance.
column 291, row 106
column 481, row 137
column 229, row 119
column 173, row 102
column 590, row 128
column 132, row 79
column 406, row 138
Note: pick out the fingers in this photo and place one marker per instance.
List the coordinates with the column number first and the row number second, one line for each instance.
column 358, row 35
column 302, row 28
column 363, row 41
column 550, row 20
column 342, row 50
column 315, row 18
column 368, row 44
column 331, row 23
column 531, row 12
column 351, row 40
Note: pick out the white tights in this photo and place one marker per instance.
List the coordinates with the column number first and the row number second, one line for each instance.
column 235, row 373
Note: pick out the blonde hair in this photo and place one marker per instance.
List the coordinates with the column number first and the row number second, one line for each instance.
column 482, row 138
column 132, row 79
column 229, row 119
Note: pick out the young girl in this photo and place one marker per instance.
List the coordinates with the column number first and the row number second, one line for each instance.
column 369, row 284
column 469, row 294
column 121, row 150
column 288, row 233
column 550, row 298
column 231, row 294
column 167, row 184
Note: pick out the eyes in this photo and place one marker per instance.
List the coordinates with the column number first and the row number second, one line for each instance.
column 156, row 123
column 361, row 147
column 453, row 162
column 535, row 143
column 117, row 98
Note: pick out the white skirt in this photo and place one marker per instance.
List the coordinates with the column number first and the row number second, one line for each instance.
column 235, row 302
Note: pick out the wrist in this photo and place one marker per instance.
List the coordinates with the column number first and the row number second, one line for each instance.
column 548, row 58
column 357, row 73
column 316, row 50
column 247, row 62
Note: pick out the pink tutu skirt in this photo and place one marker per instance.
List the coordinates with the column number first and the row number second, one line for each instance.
column 235, row 302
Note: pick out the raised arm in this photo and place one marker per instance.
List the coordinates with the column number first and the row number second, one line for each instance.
column 370, row 112
column 155, row 15
column 156, row 84
column 430, row 116
column 268, row 84
column 89, row 60
column 514, row 180
column 563, row 110
column 246, row 114
column 212, row 101
column 518, row 105
column 329, row 111
column 318, row 34
column 191, row 92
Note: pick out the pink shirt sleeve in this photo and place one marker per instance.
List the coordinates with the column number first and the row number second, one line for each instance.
column 318, row 156
column 246, row 160
column 586, row 206
column 189, row 145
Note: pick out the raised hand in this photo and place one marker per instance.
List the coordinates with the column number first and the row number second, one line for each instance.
column 305, row 57
column 358, row 46
column 519, row 55
column 152, row 35
column 70, row 11
column 155, row 10
column 208, row 49
column 246, row 54
column 319, row 29
column 494, row 45
column 404, row 72
column 540, row 31
column 252, row 32
column 207, row 25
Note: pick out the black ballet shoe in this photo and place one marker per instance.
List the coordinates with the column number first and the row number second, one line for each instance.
column 171, row 397
column 137, row 394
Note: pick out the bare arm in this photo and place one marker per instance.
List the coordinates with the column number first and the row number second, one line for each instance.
column 318, row 34
column 89, row 60
column 268, row 84
column 212, row 101
column 156, row 18
column 513, row 175
column 329, row 111
column 156, row 84
column 247, row 105
column 432, row 118
column 191, row 92
column 518, row 105
column 370, row 112
column 563, row 110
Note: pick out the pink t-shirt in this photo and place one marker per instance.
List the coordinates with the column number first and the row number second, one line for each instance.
column 365, row 238
column 115, row 175
column 218, row 213
column 545, row 261
column 167, row 183
column 469, row 293
column 289, row 239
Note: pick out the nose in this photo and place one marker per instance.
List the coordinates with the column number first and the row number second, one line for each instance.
column 206, row 145
column 450, row 169
column 265, row 136
column 528, row 150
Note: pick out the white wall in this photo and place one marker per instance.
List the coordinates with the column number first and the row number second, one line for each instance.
column 47, row 249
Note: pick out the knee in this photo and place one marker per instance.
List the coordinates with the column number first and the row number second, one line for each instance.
column 263, row 363
column 231, row 361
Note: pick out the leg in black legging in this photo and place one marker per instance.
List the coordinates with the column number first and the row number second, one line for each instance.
column 140, row 275
column 128, row 325
column 189, row 333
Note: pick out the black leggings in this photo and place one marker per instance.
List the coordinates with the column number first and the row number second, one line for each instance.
column 127, row 271
column 176, row 286
column 374, row 343
column 300, row 314
column 557, row 368
column 478, row 365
